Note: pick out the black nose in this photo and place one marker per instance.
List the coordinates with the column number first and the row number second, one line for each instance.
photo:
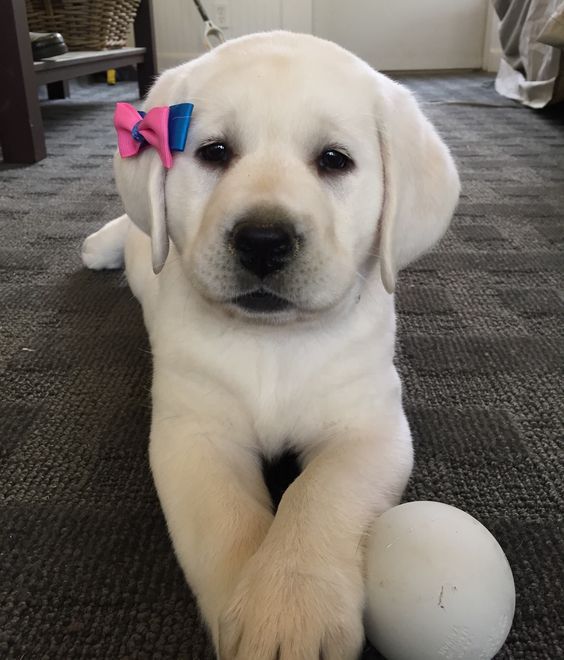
column 263, row 249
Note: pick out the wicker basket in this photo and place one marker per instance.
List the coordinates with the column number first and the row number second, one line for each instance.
column 84, row 24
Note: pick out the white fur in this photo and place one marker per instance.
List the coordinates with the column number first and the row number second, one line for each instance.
column 230, row 386
column 104, row 249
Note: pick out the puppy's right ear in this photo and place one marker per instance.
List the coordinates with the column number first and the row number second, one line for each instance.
column 140, row 182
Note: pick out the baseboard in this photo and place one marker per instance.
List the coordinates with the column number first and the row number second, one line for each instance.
column 427, row 72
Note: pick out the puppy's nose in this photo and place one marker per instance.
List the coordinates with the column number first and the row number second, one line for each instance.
column 263, row 249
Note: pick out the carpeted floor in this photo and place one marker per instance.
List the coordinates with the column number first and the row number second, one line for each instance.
column 86, row 567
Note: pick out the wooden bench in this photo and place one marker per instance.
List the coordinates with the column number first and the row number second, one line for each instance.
column 21, row 128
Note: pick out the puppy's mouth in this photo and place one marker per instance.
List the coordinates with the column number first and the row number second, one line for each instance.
column 261, row 301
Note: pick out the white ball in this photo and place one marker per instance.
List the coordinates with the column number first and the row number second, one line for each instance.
column 439, row 586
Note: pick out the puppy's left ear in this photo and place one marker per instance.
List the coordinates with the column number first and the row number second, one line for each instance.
column 421, row 184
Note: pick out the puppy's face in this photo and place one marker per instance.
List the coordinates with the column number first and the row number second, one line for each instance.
column 274, row 207
column 304, row 168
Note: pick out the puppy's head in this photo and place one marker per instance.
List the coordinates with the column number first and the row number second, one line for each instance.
column 304, row 171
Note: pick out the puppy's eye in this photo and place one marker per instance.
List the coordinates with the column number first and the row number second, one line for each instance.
column 215, row 153
column 332, row 160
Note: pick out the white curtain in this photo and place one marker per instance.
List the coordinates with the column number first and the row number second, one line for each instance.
column 530, row 71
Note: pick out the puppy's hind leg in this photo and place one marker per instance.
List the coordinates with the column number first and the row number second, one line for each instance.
column 104, row 249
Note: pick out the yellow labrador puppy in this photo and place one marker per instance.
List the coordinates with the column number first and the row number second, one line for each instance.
column 308, row 181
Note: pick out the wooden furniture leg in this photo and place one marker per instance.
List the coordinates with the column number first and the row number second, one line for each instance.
column 145, row 36
column 21, row 127
column 58, row 90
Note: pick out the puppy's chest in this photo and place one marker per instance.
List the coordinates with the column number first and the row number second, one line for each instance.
column 277, row 390
column 293, row 395
column 281, row 389
column 285, row 389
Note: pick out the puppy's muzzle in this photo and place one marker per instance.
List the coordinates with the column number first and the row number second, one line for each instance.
column 264, row 240
column 264, row 248
column 264, row 243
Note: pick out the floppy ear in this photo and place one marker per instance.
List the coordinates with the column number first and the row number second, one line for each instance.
column 421, row 184
column 140, row 182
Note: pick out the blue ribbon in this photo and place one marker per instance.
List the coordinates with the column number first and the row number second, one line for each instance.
column 178, row 123
column 135, row 131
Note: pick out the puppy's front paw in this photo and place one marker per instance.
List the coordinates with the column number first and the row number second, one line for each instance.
column 283, row 611
column 100, row 253
column 104, row 248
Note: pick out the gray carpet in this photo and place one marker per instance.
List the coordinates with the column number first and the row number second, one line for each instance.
column 86, row 566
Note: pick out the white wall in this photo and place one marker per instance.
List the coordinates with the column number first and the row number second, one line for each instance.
column 179, row 28
column 406, row 34
column 178, row 32
column 492, row 45
column 389, row 34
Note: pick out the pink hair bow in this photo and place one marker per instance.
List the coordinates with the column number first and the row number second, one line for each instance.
column 164, row 128
column 134, row 130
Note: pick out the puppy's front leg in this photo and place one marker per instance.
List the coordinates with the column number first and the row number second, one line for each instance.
column 301, row 596
column 215, row 502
